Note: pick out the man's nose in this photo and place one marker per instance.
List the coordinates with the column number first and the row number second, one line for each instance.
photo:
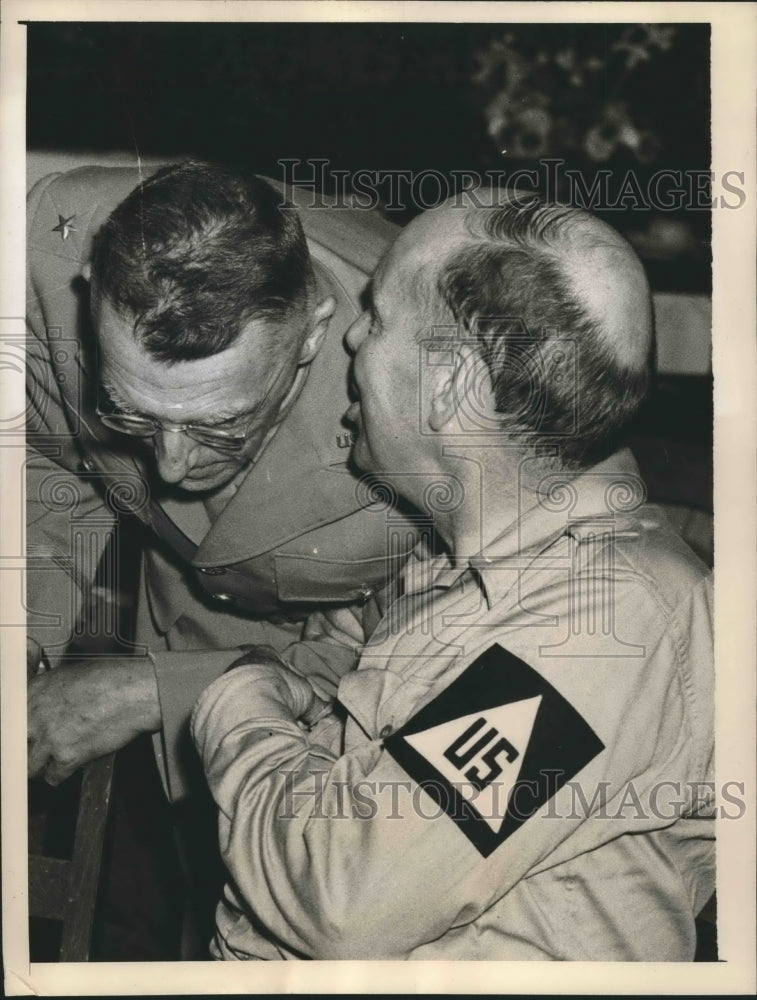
column 173, row 454
column 358, row 331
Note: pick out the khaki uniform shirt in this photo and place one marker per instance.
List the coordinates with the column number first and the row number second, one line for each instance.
column 520, row 767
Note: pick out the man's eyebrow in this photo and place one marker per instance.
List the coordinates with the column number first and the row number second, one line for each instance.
column 226, row 416
column 107, row 389
column 223, row 416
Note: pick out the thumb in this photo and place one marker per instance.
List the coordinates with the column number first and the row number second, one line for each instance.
column 317, row 709
column 56, row 773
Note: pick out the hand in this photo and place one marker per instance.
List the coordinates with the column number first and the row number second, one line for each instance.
column 80, row 712
column 281, row 685
column 300, row 696
column 314, row 707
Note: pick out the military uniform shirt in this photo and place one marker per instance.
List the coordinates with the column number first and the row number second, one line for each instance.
column 520, row 767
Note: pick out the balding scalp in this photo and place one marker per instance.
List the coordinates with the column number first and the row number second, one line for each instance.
column 527, row 276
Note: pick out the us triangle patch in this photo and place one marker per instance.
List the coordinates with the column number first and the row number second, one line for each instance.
column 494, row 746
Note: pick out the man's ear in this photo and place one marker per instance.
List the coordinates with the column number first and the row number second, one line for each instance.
column 319, row 324
column 86, row 271
column 461, row 392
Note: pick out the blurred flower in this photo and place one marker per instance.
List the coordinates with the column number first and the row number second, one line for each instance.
column 645, row 145
column 566, row 59
column 634, row 53
column 629, row 136
column 531, row 134
column 500, row 61
column 661, row 35
column 603, row 138
column 543, row 96
column 638, row 40
column 497, row 115
column 600, row 142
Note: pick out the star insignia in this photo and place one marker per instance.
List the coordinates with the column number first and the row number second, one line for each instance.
column 65, row 227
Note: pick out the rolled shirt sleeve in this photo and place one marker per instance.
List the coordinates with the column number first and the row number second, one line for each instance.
column 183, row 676
column 347, row 856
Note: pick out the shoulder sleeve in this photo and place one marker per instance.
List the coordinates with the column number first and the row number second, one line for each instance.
column 63, row 212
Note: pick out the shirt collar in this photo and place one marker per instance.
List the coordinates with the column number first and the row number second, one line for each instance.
column 563, row 501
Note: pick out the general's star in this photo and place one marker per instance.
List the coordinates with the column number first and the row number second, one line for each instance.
column 64, row 227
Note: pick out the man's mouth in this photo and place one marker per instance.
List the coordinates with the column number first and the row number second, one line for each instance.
column 198, row 478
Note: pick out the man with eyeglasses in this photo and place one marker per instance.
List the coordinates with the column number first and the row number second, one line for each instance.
column 205, row 397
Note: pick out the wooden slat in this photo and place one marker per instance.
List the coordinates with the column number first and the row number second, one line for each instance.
column 48, row 887
column 85, row 864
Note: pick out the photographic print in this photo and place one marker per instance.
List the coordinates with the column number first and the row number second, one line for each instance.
column 378, row 497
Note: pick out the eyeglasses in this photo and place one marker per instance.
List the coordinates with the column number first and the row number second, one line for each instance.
column 214, row 437
column 147, row 427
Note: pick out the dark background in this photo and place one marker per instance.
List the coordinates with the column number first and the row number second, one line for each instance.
column 371, row 96
column 375, row 95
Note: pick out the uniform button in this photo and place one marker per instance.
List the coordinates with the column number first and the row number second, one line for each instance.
column 86, row 465
column 386, row 731
column 212, row 570
column 366, row 593
column 223, row 597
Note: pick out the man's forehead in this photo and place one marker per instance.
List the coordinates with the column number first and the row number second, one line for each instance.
column 247, row 364
column 432, row 237
column 426, row 242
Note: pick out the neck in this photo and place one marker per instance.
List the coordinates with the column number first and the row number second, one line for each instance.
column 498, row 486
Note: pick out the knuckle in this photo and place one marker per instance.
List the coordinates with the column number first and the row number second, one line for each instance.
column 64, row 759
